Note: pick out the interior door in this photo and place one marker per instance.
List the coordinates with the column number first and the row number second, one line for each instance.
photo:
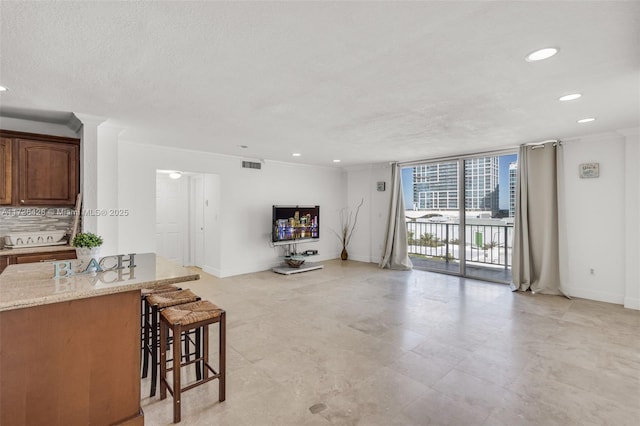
column 171, row 217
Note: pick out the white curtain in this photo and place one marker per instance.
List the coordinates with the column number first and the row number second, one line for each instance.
column 537, row 254
column 396, row 250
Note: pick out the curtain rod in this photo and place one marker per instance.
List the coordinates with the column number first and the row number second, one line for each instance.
column 542, row 143
column 478, row 154
column 536, row 145
column 513, row 149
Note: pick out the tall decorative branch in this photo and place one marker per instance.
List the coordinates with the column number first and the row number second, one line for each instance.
column 348, row 223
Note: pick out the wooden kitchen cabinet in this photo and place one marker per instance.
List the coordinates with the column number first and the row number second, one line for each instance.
column 45, row 169
column 13, row 259
column 5, row 171
column 45, row 257
column 47, row 173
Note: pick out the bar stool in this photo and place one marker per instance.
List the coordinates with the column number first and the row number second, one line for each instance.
column 145, row 331
column 181, row 319
column 154, row 303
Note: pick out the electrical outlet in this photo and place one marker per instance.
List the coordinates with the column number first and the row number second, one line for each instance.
column 592, row 271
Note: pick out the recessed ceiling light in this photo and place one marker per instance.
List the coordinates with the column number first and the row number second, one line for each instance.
column 586, row 120
column 175, row 175
column 336, row 161
column 570, row 97
column 541, row 54
column 296, row 154
column 3, row 89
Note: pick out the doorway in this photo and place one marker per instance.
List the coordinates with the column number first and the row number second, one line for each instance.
column 182, row 201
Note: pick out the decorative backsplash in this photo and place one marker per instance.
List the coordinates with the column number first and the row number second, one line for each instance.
column 21, row 219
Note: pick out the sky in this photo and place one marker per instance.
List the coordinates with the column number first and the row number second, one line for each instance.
column 505, row 160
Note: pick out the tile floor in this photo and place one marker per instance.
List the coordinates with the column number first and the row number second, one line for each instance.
column 480, row 271
column 355, row 345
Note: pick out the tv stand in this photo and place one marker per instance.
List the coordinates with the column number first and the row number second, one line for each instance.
column 305, row 267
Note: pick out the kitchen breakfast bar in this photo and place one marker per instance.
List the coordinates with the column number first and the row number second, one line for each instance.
column 70, row 346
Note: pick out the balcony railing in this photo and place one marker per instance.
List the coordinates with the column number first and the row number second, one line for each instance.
column 484, row 244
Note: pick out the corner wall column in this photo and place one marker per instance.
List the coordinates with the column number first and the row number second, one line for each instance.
column 107, row 186
column 631, row 215
column 89, row 168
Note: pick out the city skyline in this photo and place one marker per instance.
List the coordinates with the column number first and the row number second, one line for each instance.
column 503, row 183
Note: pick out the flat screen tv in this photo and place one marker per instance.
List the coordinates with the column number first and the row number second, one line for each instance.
column 293, row 224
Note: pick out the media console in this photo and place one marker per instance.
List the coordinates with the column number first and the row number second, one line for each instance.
column 288, row 270
column 290, row 253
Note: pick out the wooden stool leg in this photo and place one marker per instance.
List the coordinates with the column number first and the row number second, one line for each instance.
column 147, row 336
column 187, row 348
column 154, row 350
column 145, row 350
column 199, row 364
column 177, row 360
column 205, row 349
column 223, row 356
column 164, row 331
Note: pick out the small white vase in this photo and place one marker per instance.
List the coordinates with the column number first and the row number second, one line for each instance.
column 85, row 254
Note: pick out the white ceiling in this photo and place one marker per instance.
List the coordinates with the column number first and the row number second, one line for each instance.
column 360, row 81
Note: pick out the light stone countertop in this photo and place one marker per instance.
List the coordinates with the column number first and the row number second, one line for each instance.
column 27, row 250
column 32, row 284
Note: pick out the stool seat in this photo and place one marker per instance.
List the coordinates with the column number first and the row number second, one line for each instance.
column 171, row 298
column 190, row 313
column 159, row 289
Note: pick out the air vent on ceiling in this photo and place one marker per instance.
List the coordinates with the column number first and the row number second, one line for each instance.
column 251, row 165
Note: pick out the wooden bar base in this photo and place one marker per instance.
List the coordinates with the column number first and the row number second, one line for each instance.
column 72, row 363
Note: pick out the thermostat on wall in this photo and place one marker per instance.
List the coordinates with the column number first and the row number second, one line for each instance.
column 381, row 186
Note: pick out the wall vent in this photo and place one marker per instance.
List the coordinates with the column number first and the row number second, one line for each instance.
column 251, row 165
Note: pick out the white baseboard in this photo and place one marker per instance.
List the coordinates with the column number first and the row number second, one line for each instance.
column 359, row 257
column 600, row 296
column 632, row 303
column 213, row 271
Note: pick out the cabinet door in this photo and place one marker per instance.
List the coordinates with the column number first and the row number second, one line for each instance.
column 5, row 171
column 4, row 262
column 47, row 173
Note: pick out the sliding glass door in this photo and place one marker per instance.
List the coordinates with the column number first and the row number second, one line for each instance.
column 471, row 238
column 432, row 200
column 489, row 191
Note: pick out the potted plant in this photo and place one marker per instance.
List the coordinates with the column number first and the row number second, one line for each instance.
column 347, row 225
column 87, row 245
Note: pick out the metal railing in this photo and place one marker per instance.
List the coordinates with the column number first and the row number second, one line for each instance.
column 486, row 244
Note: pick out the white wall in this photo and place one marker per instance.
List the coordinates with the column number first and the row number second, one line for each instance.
column 212, row 225
column 632, row 218
column 106, row 175
column 243, row 211
column 595, row 211
column 368, row 237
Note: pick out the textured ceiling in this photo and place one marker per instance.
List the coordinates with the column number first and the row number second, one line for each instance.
column 360, row 81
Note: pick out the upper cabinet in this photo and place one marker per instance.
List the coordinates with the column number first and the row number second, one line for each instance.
column 45, row 169
column 5, row 171
column 47, row 173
